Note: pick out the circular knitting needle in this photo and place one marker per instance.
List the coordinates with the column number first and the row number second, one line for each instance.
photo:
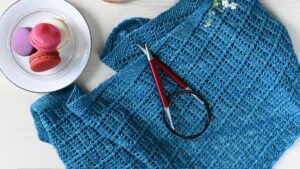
column 158, row 84
column 153, row 62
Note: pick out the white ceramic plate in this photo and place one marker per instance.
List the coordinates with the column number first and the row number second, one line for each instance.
column 74, row 56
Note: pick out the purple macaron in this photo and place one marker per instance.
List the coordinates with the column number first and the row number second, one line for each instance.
column 20, row 42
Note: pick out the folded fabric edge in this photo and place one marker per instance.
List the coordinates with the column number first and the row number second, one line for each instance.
column 50, row 102
column 41, row 131
column 53, row 99
column 79, row 101
column 175, row 13
column 124, row 28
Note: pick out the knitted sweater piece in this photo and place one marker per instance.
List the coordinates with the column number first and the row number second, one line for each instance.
column 243, row 64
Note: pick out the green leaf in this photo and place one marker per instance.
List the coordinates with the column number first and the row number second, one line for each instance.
column 216, row 3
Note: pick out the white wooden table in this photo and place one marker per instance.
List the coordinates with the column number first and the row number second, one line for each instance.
column 19, row 145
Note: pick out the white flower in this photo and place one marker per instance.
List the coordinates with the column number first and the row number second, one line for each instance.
column 216, row 5
column 225, row 3
column 233, row 5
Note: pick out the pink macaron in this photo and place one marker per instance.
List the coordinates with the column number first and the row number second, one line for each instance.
column 45, row 37
column 42, row 61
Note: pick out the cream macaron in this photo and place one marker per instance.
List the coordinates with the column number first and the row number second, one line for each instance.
column 62, row 27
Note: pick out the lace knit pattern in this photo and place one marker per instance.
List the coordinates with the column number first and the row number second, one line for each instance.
column 243, row 64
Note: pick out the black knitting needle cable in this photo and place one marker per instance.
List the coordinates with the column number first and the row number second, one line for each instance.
column 208, row 115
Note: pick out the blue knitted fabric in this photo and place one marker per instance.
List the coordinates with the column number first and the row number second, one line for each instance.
column 243, row 64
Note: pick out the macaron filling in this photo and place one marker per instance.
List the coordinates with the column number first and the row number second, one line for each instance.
column 43, row 61
column 42, row 57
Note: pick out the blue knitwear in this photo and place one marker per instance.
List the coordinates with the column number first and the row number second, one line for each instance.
column 243, row 64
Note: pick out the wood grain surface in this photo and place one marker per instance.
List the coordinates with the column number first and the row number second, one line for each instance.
column 19, row 145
